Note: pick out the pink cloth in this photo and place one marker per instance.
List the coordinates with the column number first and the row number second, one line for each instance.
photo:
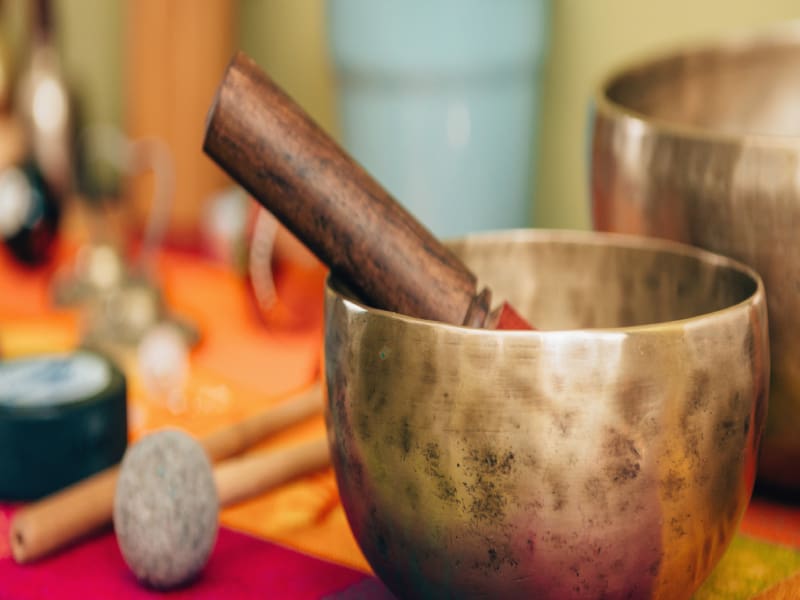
column 240, row 566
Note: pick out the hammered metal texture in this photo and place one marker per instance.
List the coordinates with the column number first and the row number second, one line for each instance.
column 610, row 454
column 703, row 146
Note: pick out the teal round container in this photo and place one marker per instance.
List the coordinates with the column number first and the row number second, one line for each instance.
column 438, row 100
column 63, row 417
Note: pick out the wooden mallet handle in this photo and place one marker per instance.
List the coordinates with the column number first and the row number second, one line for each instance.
column 85, row 507
column 267, row 143
column 248, row 476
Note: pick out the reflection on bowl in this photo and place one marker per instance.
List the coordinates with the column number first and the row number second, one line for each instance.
column 703, row 146
column 609, row 454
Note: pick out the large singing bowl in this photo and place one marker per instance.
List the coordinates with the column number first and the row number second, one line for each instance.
column 609, row 454
column 703, row 146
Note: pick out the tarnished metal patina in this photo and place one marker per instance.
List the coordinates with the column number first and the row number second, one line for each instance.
column 703, row 146
column 610, row 454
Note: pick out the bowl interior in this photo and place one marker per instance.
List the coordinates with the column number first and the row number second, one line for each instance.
column 571, row 280
column 750, row 87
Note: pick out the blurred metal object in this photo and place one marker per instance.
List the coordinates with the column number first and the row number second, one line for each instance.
column 703, row 146
column 34, row 149
column 119, row 320
column 610, row 456
column 125, row 312
column 275, row 256
column 45, row 104
column 120, row 305
column 13, row 142
column 130, row 158
column 30, row 213
column 122, row 297
column 97, row 268
column 6, row 68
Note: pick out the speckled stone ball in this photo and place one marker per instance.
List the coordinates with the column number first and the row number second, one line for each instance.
column 166, row 509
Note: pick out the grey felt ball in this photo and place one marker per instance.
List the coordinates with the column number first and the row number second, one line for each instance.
column 165, row 509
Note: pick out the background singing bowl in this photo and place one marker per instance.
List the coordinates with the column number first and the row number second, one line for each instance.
column 703, row 146
column 610, row 454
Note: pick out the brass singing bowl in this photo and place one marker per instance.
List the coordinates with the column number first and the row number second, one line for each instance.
column 609, row 454
column 703, row 146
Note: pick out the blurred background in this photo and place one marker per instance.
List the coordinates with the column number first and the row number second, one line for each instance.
column 474, row 114
column 149, row 67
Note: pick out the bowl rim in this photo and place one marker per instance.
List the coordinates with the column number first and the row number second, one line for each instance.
column 781, row 34
column 338, row 290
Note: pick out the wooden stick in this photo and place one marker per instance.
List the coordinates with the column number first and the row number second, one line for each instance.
column 239, row 479
column 235, row 439
column 85, row 507
column 51, row 523
column 268, row 144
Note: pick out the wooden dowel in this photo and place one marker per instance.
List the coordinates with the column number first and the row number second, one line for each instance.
column 85, row 507
column 235, row 439
column 239, row 479
column 51, row 523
